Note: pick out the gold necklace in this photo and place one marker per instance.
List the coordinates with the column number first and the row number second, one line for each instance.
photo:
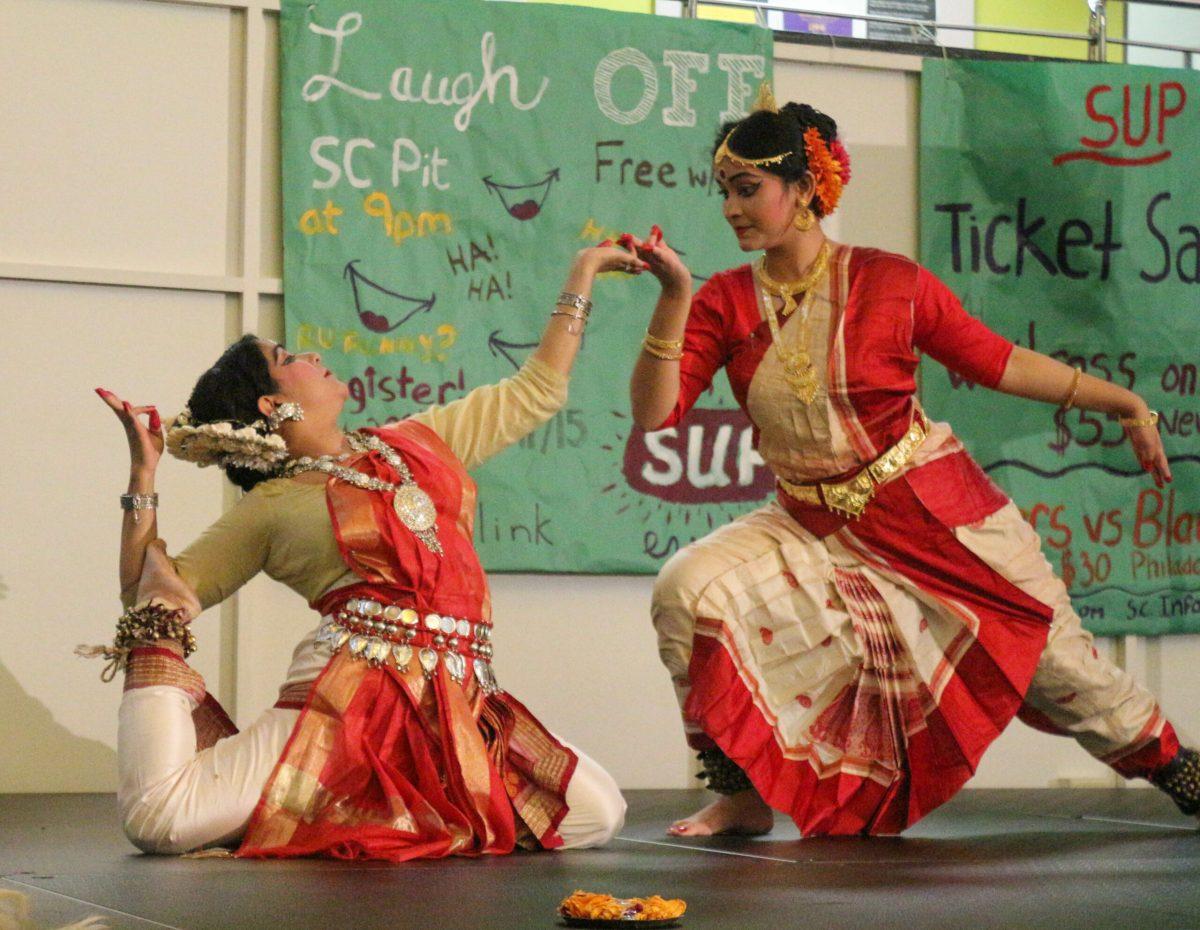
column 788, row 289
column 798, row 368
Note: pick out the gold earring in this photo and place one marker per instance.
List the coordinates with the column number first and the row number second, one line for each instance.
column 805, row 219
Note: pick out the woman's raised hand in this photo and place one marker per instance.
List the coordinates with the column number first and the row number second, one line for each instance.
column 145, row 439
column 662, row 261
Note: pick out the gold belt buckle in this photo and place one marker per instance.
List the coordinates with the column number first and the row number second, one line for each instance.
column 850, row 497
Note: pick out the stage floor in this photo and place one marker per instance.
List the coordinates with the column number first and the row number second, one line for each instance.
column 1056, row 859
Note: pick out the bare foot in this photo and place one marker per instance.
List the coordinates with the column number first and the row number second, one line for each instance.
column 741, row 814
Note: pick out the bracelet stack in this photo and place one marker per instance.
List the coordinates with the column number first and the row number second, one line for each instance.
column 138, row 502
column 582, row 307
column 666, row 349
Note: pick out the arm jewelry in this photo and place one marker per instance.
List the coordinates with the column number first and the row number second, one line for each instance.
column 139, row 502
column 577, row 302
column 666, row 349
column 1127, row 422
column 1070, row 401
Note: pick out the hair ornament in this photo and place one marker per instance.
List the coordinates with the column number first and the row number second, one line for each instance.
column 226, row 443
column 765, row 99
column 765, row 102
column 826, row 169
column 843, row 159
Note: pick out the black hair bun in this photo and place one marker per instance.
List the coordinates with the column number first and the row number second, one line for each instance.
column 806, row 117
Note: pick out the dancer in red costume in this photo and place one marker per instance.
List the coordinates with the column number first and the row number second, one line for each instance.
column 846, row 653
column 392, row 738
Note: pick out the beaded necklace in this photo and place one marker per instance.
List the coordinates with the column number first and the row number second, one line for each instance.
column 798, row 369
column 413, row 506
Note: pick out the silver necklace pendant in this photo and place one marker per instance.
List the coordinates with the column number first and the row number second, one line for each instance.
column 412, row 505
column 415, row 508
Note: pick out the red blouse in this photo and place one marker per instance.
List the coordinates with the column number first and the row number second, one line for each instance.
column 894, row 310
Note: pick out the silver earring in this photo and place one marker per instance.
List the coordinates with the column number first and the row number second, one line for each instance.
column 288, row 410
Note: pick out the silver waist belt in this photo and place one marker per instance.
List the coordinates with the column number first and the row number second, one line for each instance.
column 388, row 634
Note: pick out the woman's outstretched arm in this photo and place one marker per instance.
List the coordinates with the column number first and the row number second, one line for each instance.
column 561, row 337
column 1039, row 377
column 943, row 329
column 139, row 528
column 493, row 416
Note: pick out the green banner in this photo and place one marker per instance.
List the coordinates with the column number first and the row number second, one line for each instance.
column 1060, row 202
column 442, row 164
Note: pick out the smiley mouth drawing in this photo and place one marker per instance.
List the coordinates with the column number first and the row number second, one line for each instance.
column 370, row 294
column 523, row 201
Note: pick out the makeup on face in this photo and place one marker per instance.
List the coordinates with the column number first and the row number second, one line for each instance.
column 756, row 205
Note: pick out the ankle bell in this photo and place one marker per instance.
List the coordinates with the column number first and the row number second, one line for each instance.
column 1180, row 780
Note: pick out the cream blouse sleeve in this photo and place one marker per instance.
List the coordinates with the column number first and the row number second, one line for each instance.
column 492, row 417
column 227, row 554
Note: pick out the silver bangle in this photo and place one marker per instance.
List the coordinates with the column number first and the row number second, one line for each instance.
column 578, row 301
column 579, row 318
column 137, row 502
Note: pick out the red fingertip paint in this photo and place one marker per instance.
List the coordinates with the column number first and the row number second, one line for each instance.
column 155, row 421
column 103, row 393
column 606, row 243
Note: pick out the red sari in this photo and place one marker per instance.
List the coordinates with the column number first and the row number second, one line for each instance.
column 399, row 765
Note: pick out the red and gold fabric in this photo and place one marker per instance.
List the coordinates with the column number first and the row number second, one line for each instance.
column 398, row 765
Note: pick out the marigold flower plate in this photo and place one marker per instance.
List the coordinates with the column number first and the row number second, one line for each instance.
column 587, row 909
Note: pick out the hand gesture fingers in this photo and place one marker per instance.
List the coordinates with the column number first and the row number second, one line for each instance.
column 1148, row 447
column 145, row 438
column 609, row 257
column 662, row 261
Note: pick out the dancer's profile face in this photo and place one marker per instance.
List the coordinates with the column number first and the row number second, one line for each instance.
column 302, row 378
column 760, row 206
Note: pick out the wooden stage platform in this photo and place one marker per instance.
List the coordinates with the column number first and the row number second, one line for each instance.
column 1025, row 860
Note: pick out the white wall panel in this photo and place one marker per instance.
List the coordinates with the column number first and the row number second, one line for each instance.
column 115, row 147
column 65, row 463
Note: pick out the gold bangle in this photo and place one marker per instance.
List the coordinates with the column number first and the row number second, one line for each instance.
column 667, row 345
column 1070, row 401
column 670, row 355
column 1127, row 422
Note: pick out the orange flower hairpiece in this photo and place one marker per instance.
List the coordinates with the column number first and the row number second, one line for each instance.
column 826, row 168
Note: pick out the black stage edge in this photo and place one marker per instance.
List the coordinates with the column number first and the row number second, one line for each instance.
column 1055, row 859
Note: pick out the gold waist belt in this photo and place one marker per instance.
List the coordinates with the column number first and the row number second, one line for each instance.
column 850, row 497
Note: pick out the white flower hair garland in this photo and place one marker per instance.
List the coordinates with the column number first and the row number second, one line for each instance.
column 225, row 443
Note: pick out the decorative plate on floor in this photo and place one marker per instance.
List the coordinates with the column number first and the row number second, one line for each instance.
column 619, row 922
column 588, row 909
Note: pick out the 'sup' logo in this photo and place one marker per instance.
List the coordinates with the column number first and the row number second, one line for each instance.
column 1132, row 138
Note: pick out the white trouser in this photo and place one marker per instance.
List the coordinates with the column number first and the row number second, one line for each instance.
column 174, row 799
